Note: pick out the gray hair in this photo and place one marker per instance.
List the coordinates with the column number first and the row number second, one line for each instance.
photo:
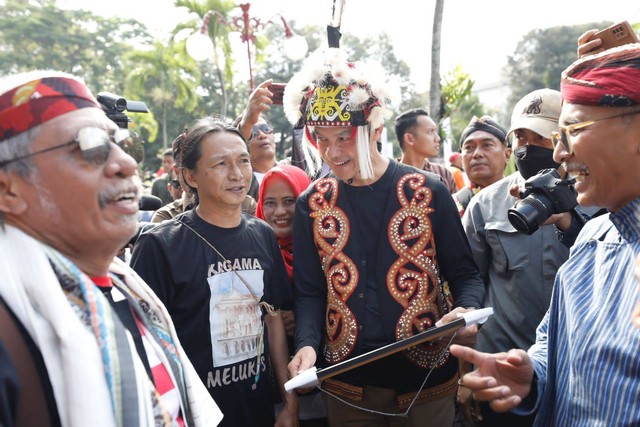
column 18, row 146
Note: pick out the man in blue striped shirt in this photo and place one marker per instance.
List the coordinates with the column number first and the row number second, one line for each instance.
column 584, row 368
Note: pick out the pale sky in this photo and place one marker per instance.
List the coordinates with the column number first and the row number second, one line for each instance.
column 476, row 34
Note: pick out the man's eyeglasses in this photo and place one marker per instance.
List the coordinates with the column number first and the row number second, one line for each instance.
column 563, row 136
column 94, row 143
column 262, row 127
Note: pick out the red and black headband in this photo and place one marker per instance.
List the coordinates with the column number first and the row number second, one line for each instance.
column 608, row 79
column 36, row 102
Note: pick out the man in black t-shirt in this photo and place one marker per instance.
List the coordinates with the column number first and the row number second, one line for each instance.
column 222, row 278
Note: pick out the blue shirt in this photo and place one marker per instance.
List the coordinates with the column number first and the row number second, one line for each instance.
column 587, row 352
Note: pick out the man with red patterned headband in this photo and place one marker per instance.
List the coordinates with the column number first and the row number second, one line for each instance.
column 83, row 340
column 584, row 368
column 374, row 242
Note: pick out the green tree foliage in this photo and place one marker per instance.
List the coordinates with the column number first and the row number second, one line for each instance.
column 458, row 102
column 166, row 79
column 457, row 86
column 38, row 35
column 218, row 72
column 380, row 50
column 540, row 58
column 119, row 56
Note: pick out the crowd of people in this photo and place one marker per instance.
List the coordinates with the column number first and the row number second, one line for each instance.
column 212, row 313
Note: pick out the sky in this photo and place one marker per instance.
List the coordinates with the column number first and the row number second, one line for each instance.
column 477, row 35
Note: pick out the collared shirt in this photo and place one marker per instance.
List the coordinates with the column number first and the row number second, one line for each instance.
column 464, row 196
column 444, row 172
column 170, row 210
column 587, row 357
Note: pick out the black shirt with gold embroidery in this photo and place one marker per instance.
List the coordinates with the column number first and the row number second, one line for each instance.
column 407, row 235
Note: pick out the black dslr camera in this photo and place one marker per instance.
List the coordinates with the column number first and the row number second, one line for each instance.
column 544, row 194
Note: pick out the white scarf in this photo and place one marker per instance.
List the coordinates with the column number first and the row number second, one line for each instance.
column 70, row 352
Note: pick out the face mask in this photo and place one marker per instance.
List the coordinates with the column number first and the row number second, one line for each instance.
column 531, row 159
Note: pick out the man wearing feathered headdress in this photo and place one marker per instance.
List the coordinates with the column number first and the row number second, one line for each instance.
column 374, row 240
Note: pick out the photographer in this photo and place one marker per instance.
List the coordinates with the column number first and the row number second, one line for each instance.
column 548, row 199
column 518, row 269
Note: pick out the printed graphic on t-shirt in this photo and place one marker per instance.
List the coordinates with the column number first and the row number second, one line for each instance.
column 234, row 315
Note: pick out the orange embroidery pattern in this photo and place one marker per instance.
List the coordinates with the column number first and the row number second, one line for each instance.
column 331, row 232
column 413, row 280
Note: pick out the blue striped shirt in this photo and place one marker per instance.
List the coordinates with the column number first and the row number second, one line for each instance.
column 587, row 352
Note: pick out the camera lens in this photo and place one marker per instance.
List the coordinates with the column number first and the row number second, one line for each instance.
column 120, row 104
column 112, row 103
column 530, row 213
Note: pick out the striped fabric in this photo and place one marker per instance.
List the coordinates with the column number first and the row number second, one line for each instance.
column 134, row 397
column 116, row 348
column 587, row 354
column 164, row 382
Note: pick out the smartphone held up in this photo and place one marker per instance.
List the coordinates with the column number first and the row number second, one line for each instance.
column 278, row 92
column 616, row 35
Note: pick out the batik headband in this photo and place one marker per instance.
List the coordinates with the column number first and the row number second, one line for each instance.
column 39, row 101
column 486, row 124
column 609, row 79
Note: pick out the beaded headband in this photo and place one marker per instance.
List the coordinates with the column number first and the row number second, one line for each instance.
column 331, row 91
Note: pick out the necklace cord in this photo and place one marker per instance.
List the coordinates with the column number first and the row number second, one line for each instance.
column 389, row 414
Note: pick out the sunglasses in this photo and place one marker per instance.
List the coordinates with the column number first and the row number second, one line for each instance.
column 262, row 127
column 175, row 184
column 563, row 136
column 94, row 143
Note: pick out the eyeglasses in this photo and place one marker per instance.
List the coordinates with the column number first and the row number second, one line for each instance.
column 94, row 143
column 262, row 127
column 564, row 133
column 175, row 184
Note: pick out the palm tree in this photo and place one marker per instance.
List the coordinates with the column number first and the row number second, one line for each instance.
column 164, row 76
column 219, row 33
